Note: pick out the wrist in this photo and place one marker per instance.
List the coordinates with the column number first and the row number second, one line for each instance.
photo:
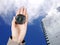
column 15, row 40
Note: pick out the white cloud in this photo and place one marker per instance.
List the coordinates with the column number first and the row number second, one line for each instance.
column 34, row 8
column 52, row 20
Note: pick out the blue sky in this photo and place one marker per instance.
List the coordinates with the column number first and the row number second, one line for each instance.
column 34, row 33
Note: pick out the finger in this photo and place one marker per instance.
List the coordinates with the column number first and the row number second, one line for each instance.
column 18, row 11
column 25, row 13
column 13, row 22
column 22, row 10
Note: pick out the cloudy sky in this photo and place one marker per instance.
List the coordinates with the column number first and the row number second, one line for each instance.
column 35, row 8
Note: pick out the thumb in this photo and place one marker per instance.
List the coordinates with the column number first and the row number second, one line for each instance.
column 14, row 30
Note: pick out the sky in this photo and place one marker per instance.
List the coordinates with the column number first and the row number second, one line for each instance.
column 36, row 9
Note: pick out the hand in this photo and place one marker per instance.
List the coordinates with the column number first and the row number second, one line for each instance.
column 19, row 31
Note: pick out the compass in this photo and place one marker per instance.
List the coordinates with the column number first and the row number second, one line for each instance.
column 20, row 19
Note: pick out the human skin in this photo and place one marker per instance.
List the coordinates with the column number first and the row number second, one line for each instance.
column 19, row 30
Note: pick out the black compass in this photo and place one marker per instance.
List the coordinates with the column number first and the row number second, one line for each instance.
column 20, row 19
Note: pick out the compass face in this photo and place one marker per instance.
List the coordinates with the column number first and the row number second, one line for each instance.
column 20, row 19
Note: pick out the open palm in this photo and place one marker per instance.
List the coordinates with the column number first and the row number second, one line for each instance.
column 19, row 30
